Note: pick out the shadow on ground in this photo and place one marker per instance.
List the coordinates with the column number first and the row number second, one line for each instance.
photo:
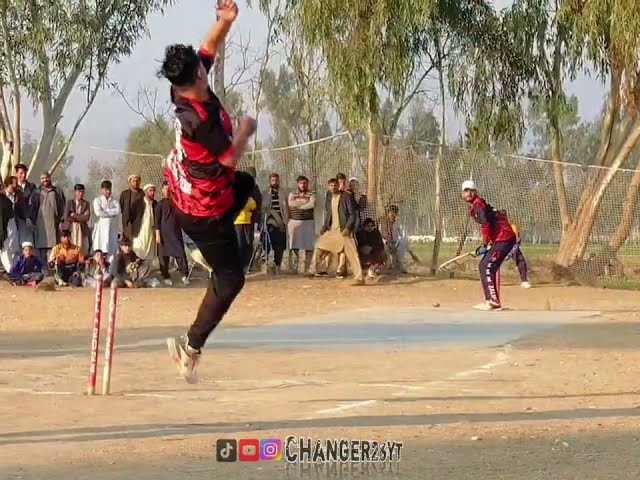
column 86, row 434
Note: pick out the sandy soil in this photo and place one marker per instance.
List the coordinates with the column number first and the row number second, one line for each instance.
column 559, row 405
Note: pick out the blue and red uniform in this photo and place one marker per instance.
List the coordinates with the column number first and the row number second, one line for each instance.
column 207, row 196
column 499, row 236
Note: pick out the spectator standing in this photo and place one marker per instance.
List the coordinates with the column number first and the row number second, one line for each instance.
column 302, row 224
column 127, row 199
column 77, row 213
column 47, row 212
column 105, row 231
column 26, row 227
column 9, row 236
column 276, row 217
column 169, row 238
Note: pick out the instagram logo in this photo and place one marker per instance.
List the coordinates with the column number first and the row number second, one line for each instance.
column 271, row 449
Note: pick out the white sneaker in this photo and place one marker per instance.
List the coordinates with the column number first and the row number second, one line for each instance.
column 168, row 282
column 525, row 285
column 371, row 273
column 186, row 358
column 185, row 281
column 488, row 306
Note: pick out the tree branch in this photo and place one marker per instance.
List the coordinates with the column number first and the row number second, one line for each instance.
column 249, row 59
column 65, row 149
column 9, row 131
column 65, row 91
column 43, row 60
column 146, row 106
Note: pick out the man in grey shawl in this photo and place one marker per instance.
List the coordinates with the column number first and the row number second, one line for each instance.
column 302, row 224
column 47, row 209
column 276, row 218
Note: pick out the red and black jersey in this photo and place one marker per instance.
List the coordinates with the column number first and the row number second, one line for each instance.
column 201, row 186
column 494, row 226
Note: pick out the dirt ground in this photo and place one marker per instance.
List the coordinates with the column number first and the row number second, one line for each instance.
column 562, row 404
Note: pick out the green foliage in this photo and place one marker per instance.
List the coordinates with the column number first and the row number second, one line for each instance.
column 366, row 44
column 151, row 142
column 49, row 48
column 580, row 139
column 298, row 114
column 152, row 138
column 234, row 104
column 419, row 127
column 611, row 32
column 100, row 171
column 49, row 41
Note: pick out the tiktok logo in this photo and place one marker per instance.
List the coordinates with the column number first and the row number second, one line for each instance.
column 226, row 450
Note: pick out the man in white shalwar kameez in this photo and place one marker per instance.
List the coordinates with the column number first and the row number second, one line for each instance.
column 143, row 222
column 107, row 224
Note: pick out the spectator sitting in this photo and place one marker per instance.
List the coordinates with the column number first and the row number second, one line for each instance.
column 28, row 269
column 98, row 265
column 370, row 247
column 127, row 269
column 67, row 260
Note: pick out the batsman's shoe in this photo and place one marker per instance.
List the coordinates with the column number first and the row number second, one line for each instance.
column 186, row 358
column 525, row 285
column 488, row 306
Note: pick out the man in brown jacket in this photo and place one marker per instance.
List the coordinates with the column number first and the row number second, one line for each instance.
column 77, row 213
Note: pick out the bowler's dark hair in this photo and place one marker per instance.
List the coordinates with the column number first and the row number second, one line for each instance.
column 180, row 65
column 106, row 184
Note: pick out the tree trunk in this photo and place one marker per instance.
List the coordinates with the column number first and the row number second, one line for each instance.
column 16, row 125
column 629, row 205
column 41, row 160
column 574, row 244
column 437, row 206
column 5, row 161
column 372, row 164
column 558, row 174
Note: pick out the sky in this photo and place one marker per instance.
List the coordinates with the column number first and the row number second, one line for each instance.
column 109, row 120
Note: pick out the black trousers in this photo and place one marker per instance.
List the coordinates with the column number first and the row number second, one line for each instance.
column 68, row 273
column 489, row 266
column 164, row 261
column 245, row 242
column 217, row 241
column 277, row 242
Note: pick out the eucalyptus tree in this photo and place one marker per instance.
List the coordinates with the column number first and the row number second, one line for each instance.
column 49, row 49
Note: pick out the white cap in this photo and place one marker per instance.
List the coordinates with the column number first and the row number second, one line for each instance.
column 352, row 179
column 27, row 244
column 468, row 185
